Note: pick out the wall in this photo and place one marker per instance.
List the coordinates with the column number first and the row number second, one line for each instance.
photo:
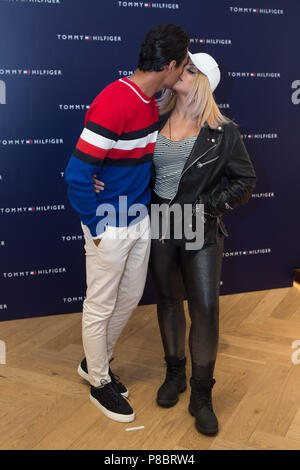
column 57, row 55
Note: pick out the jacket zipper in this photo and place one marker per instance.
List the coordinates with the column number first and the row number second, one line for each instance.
column 200, row 165
column 187, row 168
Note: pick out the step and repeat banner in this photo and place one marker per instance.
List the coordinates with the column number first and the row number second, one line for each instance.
column 57, row 55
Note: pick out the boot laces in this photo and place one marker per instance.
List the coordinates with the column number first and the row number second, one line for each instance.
column 205, row 401
column 204, row 397
column 172, row 371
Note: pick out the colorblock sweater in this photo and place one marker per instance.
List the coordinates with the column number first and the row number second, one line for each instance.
column 116, row 144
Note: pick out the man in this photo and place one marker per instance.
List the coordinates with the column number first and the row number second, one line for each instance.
column 118, row 142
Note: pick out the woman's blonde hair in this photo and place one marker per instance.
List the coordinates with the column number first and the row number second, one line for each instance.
column 200, row 101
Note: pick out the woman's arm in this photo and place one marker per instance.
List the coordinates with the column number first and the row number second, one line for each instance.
column 241, row 181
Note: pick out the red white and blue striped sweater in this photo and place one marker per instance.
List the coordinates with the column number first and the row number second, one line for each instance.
column 117, row 144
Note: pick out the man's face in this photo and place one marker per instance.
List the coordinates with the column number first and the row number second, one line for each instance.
column 176, row 72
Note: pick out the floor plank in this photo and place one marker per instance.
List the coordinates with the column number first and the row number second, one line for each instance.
column 45, row 405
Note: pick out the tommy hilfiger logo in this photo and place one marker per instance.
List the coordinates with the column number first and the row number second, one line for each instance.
column 259, row 251
column 125, row 73
column 73, row 107
column 68, row 300
column 49, row 141
column 31, row 72
column 38, row 2
column 259, row 136
column 89, row 37
column 261, row 11
column 263, row 195
column 254, row 74
column 210, row 41
column 224, row 105
column 34, row 273
column 71, row 238
column 32, row 209
column 169, row 6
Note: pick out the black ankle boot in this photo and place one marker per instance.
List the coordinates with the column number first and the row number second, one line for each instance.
column 201, row 405
column 174, row 383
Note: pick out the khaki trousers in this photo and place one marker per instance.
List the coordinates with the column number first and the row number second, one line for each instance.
column 116, row 272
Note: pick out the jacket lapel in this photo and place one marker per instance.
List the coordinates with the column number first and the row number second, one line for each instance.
column 204, row 142
column 207, row 139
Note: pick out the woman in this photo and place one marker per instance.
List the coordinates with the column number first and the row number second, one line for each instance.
column 197, row 147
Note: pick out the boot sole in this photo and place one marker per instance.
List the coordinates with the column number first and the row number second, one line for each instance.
column 110, row 414
column 85, row 376
column 168, row 403
column 209, row 432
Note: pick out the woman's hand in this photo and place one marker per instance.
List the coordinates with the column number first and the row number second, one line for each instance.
column 98, row 185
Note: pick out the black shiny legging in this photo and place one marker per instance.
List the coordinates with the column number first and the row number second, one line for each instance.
column 174, row 269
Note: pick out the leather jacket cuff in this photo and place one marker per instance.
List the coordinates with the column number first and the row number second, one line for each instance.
column 215, row 209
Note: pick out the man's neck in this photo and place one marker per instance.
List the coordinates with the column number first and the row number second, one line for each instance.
column 148, row 82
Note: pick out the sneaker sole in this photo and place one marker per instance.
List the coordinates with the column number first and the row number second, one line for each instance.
column 110, row 414
column 85, row 376
column 82, row 374
column 168, row 403
column 209, row 432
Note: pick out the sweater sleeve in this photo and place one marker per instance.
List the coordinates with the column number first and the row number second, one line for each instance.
column 104, row 123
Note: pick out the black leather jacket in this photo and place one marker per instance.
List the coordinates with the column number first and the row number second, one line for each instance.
column 217, row 154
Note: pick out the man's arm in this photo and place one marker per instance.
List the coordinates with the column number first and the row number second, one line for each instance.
column 88, row 157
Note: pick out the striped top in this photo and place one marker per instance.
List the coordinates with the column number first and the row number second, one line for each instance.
column 116, row 144
column 169, row 160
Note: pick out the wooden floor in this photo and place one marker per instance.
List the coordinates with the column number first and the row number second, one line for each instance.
column 44, row 404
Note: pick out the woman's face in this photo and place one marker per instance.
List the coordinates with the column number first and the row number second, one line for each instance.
column 186, row 79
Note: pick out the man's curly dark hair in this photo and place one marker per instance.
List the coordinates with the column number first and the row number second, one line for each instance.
column 161, row 45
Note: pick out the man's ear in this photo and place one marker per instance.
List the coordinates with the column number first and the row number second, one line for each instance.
column 171, row 66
